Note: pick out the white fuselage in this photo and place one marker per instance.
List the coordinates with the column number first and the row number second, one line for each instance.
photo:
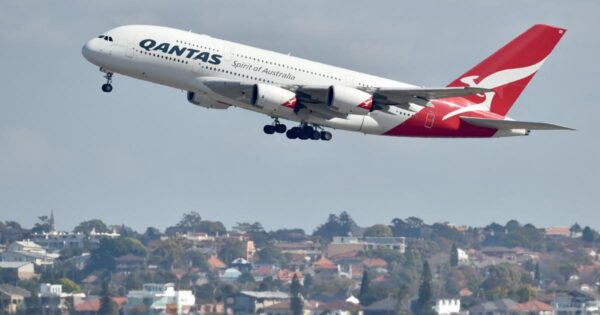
column 194, row 62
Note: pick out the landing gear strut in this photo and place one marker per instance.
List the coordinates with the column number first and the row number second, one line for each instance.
column 107, row 87
column 275, row 127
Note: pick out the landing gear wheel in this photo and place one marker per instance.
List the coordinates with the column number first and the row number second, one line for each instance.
column 315, row 135
column 326, row 135
column 302, row 135
column 107, row 88
column 292, row 134
column 280, row 128
column 269, row 129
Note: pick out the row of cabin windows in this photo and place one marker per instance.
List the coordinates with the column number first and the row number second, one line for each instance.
column 288, row 67
column 241, row 75
column 197, row 46
column 143, row 52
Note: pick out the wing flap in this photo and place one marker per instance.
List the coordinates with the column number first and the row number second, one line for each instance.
column 511, row 124
column 404, row 94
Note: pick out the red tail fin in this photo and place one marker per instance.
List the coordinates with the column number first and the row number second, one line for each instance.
column 509, row 70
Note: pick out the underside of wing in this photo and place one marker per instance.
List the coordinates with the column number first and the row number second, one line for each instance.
column 511, row 124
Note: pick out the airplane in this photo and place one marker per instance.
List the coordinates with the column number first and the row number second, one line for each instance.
column 220, row 74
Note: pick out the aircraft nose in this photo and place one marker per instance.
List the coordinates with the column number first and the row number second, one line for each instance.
column 91, row 50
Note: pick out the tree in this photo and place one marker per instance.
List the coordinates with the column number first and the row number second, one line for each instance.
column 231, row 250
column 102, row 257
column 271, row 255
column 151, row 234
column 379, row 230
column 43, row 226
column 107, row 305
column 425, row 292
column 69, row 286
column 296, row 302
column 86, row 227
column 536, row 273
column 364, row 286
column 454, row 256
column 190, row 220
column 342, row 225
column 588, row 234
column 575, row 229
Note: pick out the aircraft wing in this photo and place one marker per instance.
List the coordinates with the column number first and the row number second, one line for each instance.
column 403, row 94
column 511, row 124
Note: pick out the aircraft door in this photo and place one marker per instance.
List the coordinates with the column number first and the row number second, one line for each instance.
column 429, row 119
column 129, row 50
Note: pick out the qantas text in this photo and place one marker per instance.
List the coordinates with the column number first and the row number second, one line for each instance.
column 190, row 53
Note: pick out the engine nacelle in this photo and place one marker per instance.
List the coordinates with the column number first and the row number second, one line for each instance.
column 203, row 101
column 273, row 99
column 349, row 100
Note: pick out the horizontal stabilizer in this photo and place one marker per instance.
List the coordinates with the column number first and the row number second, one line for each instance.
column 511, row 124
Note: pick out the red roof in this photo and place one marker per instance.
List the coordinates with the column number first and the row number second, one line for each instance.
column 288, row 275
column 375, row 263
column 93, row 306
column 216, row 263
column 532, row 306
column 324, row 263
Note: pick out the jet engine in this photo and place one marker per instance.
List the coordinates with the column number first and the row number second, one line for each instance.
column 349, row 100
column 273, row 98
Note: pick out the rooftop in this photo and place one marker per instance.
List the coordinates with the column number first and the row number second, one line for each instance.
column 13, row 290
column 266, row 294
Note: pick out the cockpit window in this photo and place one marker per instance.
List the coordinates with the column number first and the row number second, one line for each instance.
column 106, row 38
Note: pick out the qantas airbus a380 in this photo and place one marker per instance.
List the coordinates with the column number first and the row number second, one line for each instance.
column 219, row 74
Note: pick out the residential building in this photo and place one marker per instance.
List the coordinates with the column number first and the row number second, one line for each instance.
column 533, row 307
column 386, row 306
column 157, row 298
column 58, row 240
column 346, row 244
column 129, row 263
column 497, row 307
column 447, row 306
column 315, row 308
column 52, row 297
column 575, row 303
column 12, row 298
column 91, row 306
column 11, row 271
column 253, row 302
column 30, row 252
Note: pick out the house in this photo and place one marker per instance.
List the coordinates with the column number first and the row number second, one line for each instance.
column 241, row 264
column 386, row 306
column 325, row 265
column 252, row 302
column 160, row 298
column 575, row 303
column 533, row 307
column 260, row 272
column 394, row 243
column 315, row 308
column 497, row 307
column 374, row 263
column 30, row 252
column 215, row 264
column 447, row 306
column 211, row 308
column 129, row 263
column 58, row 240
column 230, row 275
column 91, row 306
column 11, row 271
column 12, row 298
column 52, row 298
column 345, row 244
column 286, row 276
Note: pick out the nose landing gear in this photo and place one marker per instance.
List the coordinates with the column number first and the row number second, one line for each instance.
column 107, row 87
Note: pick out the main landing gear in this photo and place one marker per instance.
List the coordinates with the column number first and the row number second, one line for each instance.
column 274, row 127
column 107, row 87
column 303, row 132
column 306, row 131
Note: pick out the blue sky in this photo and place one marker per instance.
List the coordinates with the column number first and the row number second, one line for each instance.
column 143, row 156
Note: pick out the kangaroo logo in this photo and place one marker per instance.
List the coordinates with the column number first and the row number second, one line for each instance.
column 493, row 81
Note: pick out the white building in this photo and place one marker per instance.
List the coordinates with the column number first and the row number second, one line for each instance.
column 30, row 252
column 575, row 303
column 447, row 306
column 56, row 240
column 161, row 297
column 53, row 298
column 463, row 257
